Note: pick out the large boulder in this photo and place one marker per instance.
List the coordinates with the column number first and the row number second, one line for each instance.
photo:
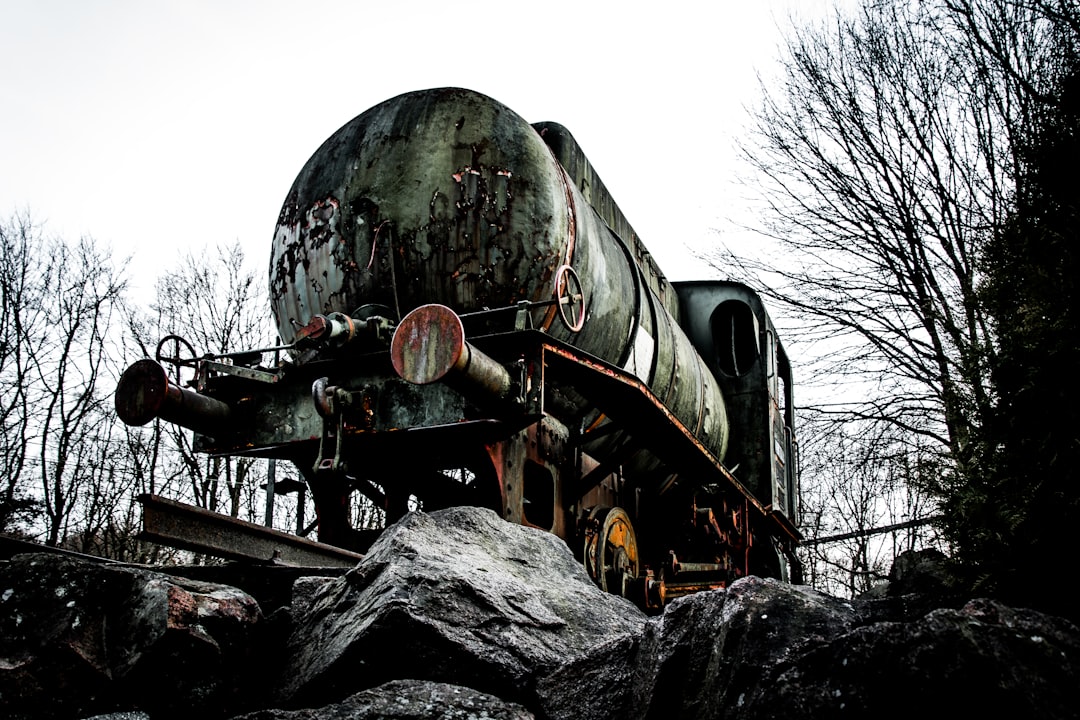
column 78, row 638
column 983, row 660
column 762, row 649
column 705, row 654
column 407, row 700
column 456, row 596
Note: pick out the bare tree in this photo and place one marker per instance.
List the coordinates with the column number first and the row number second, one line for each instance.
column 880, row 193
column 888, row 156
column 217, row 304
column 860, row 495
column 59, row 305
column 70, row 361
column 20, row 311
column 65, row 335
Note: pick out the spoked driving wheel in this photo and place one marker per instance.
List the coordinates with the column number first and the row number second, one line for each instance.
column 611, row 552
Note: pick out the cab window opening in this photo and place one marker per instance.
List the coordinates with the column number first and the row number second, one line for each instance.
column 735, row 337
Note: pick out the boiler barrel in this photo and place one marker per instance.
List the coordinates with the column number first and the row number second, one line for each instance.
column 447, row 196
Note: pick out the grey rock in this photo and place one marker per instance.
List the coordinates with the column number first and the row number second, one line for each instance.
column 984, row 660
column 78, row 638
column 407, row 700
column 762, row 649
column 304, row 592
column 702, row 656
column 924, row 572
column 457, row 596
column 272, row 585
column 459, row 614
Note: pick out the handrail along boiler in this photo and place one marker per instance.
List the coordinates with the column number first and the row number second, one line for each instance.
column 470, row 319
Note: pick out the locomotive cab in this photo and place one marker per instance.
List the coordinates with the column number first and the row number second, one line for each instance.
column 729, row 327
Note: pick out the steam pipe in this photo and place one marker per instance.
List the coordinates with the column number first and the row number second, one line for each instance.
column 145, row 393
column 429, row 345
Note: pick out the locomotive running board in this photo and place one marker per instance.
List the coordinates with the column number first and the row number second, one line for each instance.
column 187, row 527
column 626, row 400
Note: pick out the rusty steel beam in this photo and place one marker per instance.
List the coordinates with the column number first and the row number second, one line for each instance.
column 188, row 527
column 919, row 522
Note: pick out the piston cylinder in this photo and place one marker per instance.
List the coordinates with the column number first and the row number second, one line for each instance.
column 429, row 345
column 145, row 393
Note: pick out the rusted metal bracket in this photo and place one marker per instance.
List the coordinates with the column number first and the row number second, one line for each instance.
column 330, row 402
column 188, row 527
column 264, row 376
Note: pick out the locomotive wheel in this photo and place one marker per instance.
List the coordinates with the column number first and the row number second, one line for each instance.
column 611, row 553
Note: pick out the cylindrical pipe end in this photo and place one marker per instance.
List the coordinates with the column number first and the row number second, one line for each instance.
column 145, row 393
column 141, row 392
column 429, row 345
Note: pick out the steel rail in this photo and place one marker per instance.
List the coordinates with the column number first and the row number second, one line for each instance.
column 874, row 531
column 187, row 527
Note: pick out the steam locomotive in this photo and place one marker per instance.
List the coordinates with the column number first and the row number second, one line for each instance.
column 470, row 319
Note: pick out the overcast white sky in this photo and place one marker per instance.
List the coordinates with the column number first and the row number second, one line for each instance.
column 162, row 127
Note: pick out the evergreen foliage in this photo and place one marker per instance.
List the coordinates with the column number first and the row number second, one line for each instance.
column 1013, row 522
column 918, row 160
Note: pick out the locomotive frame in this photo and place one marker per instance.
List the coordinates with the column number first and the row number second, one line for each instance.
column 431, row 406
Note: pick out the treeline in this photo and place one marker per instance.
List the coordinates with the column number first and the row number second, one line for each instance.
column 915, row 165
column 70, row 470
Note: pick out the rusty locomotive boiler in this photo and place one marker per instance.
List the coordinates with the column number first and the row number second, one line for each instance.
column 470, row 319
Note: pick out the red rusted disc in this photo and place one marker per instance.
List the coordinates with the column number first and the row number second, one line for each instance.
column 141, row 392
column 427, row 343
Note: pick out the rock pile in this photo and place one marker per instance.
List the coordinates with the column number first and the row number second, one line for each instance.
column 457, row 614
column 77, row 637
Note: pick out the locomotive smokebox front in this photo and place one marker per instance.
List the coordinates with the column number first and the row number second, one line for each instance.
column 439, row 196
